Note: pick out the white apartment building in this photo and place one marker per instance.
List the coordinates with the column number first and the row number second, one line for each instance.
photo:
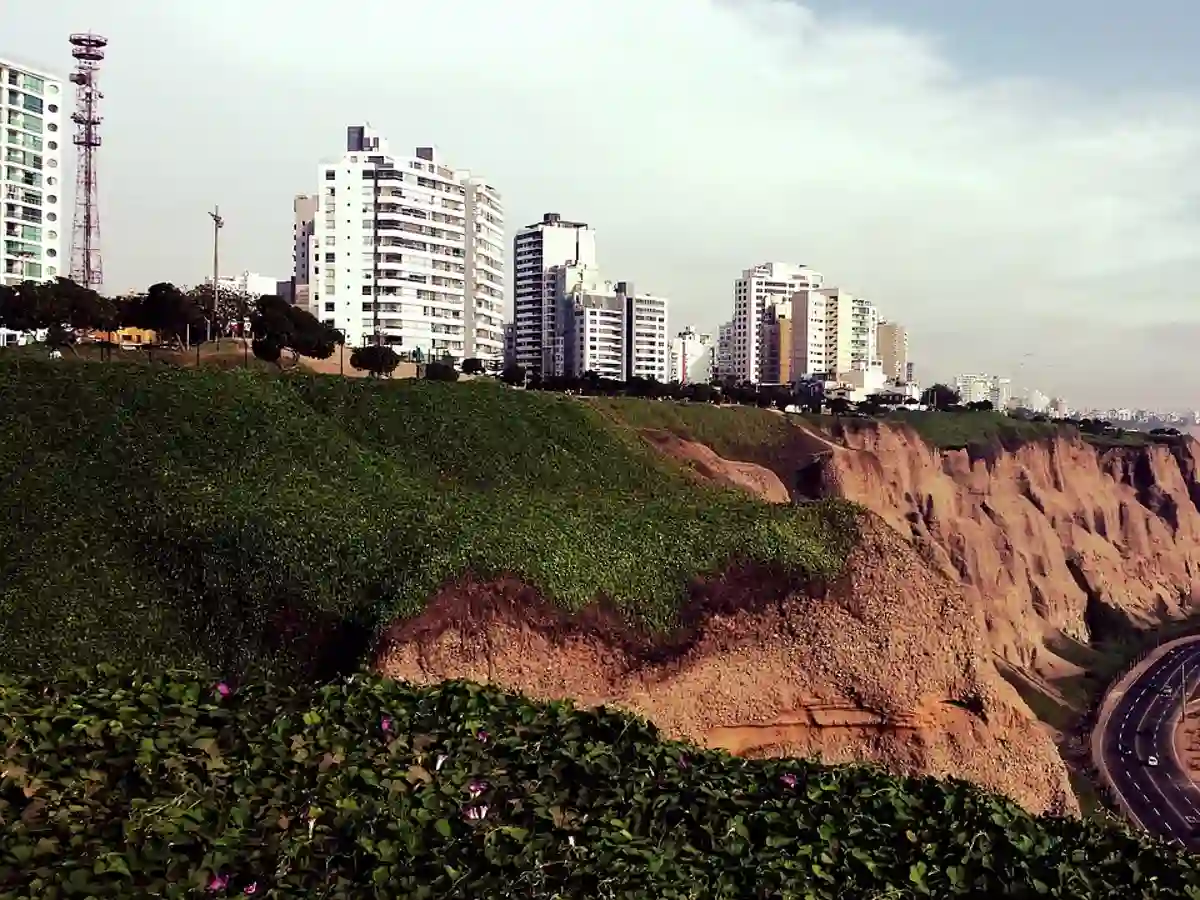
column 538, row 250
column 693, row 357
column 31, row 178
column 892, row 340
column 978, row 388
column 249, row 283
column 411, row 248
column 753, row 294
column 833, row 333
column 600, row 321
column 648, row 352
column 723, row 364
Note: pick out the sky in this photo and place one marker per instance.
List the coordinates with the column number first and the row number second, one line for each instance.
column 1016, row 183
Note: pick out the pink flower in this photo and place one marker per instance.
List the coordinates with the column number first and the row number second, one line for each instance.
column 684, row 763
column 476, row 813
column 224, row 690
column 477, row 787
column 482, row 736
column 789, row 780
column 218, row 883
column 441, row 761
column 385, row 723
column 252, row 888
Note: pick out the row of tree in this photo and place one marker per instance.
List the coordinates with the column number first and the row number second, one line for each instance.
column 178, row 317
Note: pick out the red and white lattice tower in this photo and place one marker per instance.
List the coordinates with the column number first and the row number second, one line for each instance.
column 86, row 266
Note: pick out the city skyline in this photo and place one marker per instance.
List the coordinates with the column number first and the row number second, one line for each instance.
column 1003, row 211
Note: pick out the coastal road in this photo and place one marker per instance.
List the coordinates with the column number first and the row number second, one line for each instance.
column 1163, row 799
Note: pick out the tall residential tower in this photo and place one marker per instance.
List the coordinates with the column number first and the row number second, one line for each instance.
column 31, row 174
column 434, row 285
column 538, row 250
column 754, row 294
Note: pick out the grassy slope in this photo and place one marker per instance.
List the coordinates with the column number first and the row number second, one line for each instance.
column 151, row 514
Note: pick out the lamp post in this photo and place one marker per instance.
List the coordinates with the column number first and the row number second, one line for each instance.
column 218, row 224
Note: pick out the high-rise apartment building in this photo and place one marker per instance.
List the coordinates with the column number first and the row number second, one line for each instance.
column 31, row 178
column 538, row 250
column 892, row 340
column 833, row 332
column 723, row 367
column 304, row 243
column 693, row 357
column 753, row 294
column 647, row 350
column 978, row 388
column 607, row 328
column 410, row 252
column 777, row 344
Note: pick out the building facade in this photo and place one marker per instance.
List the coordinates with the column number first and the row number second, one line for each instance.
column 833, row 332
column 758, row 288
column 304, row 243
column 692, row 357
column 777, row 344
column 538, row 250
column 647, row 350
column 723, row 368
column 892, row 340
column 35, row 216
column 979, row 388
column 408, row 251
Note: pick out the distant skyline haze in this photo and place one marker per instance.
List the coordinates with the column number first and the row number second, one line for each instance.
column 1014, row 183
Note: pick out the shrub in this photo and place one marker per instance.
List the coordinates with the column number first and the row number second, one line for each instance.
column 378, row 359
column 172, row 785
column 441, row 371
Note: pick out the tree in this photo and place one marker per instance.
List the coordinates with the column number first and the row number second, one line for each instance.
column 838, row 406
column 440, row 371
column 232, row 306
column 169, row 313
column 940, row 397
column 513, row 374
column 28, row 306
column 472, row 366
column 378, row 359
column 278, row 326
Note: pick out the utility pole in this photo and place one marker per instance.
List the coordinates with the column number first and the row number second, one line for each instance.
column 218, row 224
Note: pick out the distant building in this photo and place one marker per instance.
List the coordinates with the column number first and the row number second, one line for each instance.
column 833, row 332
column 538, row 250
column 249, row 283
column 723, row 366
column 607, row 327
column 892, row 341
column 777, row 344
column 980, row 388
column 693, row 356
column 410, row 248
column 754, row 293
column 510, row 343
column 36, row 215
column 304, row 248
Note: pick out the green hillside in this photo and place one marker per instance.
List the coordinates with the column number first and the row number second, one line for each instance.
column 167, row 786
column 152, row 515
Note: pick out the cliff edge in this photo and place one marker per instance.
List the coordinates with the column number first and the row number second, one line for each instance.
column 762, row 666
column 1051, row 538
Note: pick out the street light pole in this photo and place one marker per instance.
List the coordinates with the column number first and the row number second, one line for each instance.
column 218, row 224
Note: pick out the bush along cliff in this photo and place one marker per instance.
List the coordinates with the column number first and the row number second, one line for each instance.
column 172, row 785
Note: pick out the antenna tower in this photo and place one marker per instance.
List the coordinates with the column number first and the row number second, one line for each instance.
column 86, row 267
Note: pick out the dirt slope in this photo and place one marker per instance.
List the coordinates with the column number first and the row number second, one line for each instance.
column 1047, row 537
column 847, row 671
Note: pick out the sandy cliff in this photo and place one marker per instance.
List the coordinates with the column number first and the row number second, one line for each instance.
column 1047, row 537
column 890, row 664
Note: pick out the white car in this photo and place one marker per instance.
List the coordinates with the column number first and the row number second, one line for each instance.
column 1152, row 760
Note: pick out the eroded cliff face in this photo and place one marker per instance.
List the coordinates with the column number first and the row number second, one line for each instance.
column 1048, row 537
column 889, row 665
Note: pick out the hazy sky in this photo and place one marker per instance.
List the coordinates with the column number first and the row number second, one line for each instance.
column 1017, row 182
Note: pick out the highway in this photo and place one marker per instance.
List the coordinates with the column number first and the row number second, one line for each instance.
column 1164, row 800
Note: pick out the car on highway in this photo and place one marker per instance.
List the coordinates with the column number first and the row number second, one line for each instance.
column 1126, row 751
column 1152, row 760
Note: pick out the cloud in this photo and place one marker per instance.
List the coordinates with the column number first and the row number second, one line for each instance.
column 703, row 136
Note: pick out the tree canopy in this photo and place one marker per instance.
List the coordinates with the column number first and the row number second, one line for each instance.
column 278, row 326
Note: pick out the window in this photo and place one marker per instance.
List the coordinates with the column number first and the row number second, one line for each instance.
column 34, row 104
column 32, row 83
